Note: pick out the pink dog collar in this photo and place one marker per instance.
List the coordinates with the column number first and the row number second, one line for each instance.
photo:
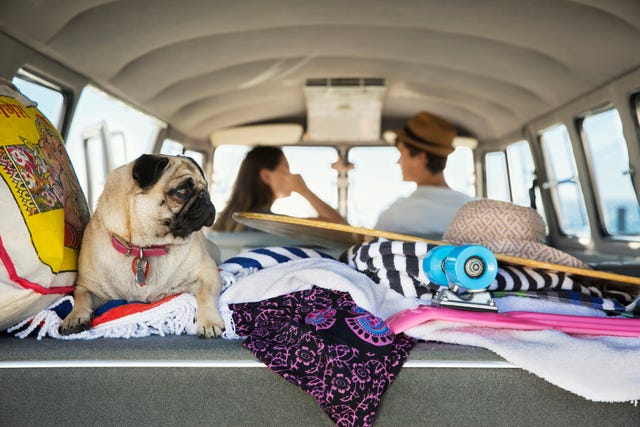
column 128, row 249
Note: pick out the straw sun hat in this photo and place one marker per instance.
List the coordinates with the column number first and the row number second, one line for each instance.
column 506, row 228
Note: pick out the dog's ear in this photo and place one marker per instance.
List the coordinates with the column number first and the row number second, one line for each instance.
column 148, row 169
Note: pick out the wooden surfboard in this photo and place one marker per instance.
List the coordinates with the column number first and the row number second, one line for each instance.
column 340, row 236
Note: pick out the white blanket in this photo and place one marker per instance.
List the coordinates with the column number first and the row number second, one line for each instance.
column 597, row 368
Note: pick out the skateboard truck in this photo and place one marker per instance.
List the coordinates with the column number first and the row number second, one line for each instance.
column 462, row 274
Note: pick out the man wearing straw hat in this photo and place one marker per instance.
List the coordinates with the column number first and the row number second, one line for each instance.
column 424, row 144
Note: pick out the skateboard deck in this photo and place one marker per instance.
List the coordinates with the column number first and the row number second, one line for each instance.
column 339, row 236
column 519, row 320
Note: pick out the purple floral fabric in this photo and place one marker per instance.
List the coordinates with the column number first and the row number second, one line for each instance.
column 321, row 341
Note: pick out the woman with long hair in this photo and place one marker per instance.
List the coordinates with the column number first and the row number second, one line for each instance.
column 264, row 176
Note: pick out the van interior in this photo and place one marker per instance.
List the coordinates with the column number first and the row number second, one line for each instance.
column 545, row 99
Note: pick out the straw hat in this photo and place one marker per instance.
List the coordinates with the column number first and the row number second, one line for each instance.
column 429, row 133
column 506, row 228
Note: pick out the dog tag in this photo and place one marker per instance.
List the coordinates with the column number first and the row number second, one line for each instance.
column 140, row 267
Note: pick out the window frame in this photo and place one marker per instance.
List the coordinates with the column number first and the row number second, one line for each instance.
column 595, row 187
column 33, row 77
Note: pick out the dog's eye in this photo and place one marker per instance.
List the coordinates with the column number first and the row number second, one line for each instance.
column 183, row 191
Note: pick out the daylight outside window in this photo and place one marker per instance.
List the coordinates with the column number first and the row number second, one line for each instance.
column 175, row 148
column 495, row 166
column 50, row 101
column 522, row 173
column 376, row 180
column 313, row 163
column 374, row 183
column 610, row 167
column 108, row 133
column 564, row 186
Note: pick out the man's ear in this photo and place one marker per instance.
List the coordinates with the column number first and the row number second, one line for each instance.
column 424, row 159
column 265, row 176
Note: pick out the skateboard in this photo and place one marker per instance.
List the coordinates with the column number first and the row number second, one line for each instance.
column 340, row 236
column 519, row 320
column 463, row 274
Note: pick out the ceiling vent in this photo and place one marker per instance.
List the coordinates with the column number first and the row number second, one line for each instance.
column 344, row 109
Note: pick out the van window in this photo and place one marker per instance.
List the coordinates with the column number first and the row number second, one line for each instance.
column 313, row 163
column 566, row 192
column 50, row 100
column 175, row 148
column 376, row 171
column 226, row 163
column 460, row 171
column 522, row 173
column 609, row 161
column 171, row 148
column 375, row 183
column 495, row 166
column 106, row 133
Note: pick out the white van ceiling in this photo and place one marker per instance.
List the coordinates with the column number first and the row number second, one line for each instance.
column 488, row 66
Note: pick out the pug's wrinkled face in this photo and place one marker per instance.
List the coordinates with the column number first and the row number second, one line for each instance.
column 173, row 198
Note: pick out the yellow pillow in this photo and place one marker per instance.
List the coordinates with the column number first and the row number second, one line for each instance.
column 43, row 210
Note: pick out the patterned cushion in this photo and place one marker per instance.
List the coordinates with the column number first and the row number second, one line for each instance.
column 44, row 211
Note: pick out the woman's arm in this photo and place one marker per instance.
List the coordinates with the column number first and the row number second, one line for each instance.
column 325, row 212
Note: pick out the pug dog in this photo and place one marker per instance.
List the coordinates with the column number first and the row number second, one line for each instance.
column 144, row 242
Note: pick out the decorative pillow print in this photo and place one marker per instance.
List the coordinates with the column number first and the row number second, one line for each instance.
column 44, row 211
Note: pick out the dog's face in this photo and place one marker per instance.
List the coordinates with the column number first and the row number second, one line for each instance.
column 171, row 198
column 172, row 195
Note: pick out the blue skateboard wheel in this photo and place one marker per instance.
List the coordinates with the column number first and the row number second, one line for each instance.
column 472, row 267
column 433, row 264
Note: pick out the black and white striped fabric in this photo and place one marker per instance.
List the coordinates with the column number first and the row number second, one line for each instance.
column 394, row 264
column 399, row 266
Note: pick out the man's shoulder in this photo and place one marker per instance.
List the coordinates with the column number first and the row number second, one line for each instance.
column 431, row 191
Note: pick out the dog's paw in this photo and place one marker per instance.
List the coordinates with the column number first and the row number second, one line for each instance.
column 209, row 325
column 75, row 324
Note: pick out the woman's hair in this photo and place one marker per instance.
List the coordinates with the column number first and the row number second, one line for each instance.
column 250, row 193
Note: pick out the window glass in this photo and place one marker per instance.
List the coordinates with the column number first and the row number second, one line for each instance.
column 610, row 167
column 374, row 183
column 376, row 180
column 314, row 164
column 195, row 155
column 521, row 172
column 175, row 148
column 566, row 192
column 171, row 148
column 50, row 101
column 460, row 171
column 106, row 133
column 226, row 163
column 496, row 174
